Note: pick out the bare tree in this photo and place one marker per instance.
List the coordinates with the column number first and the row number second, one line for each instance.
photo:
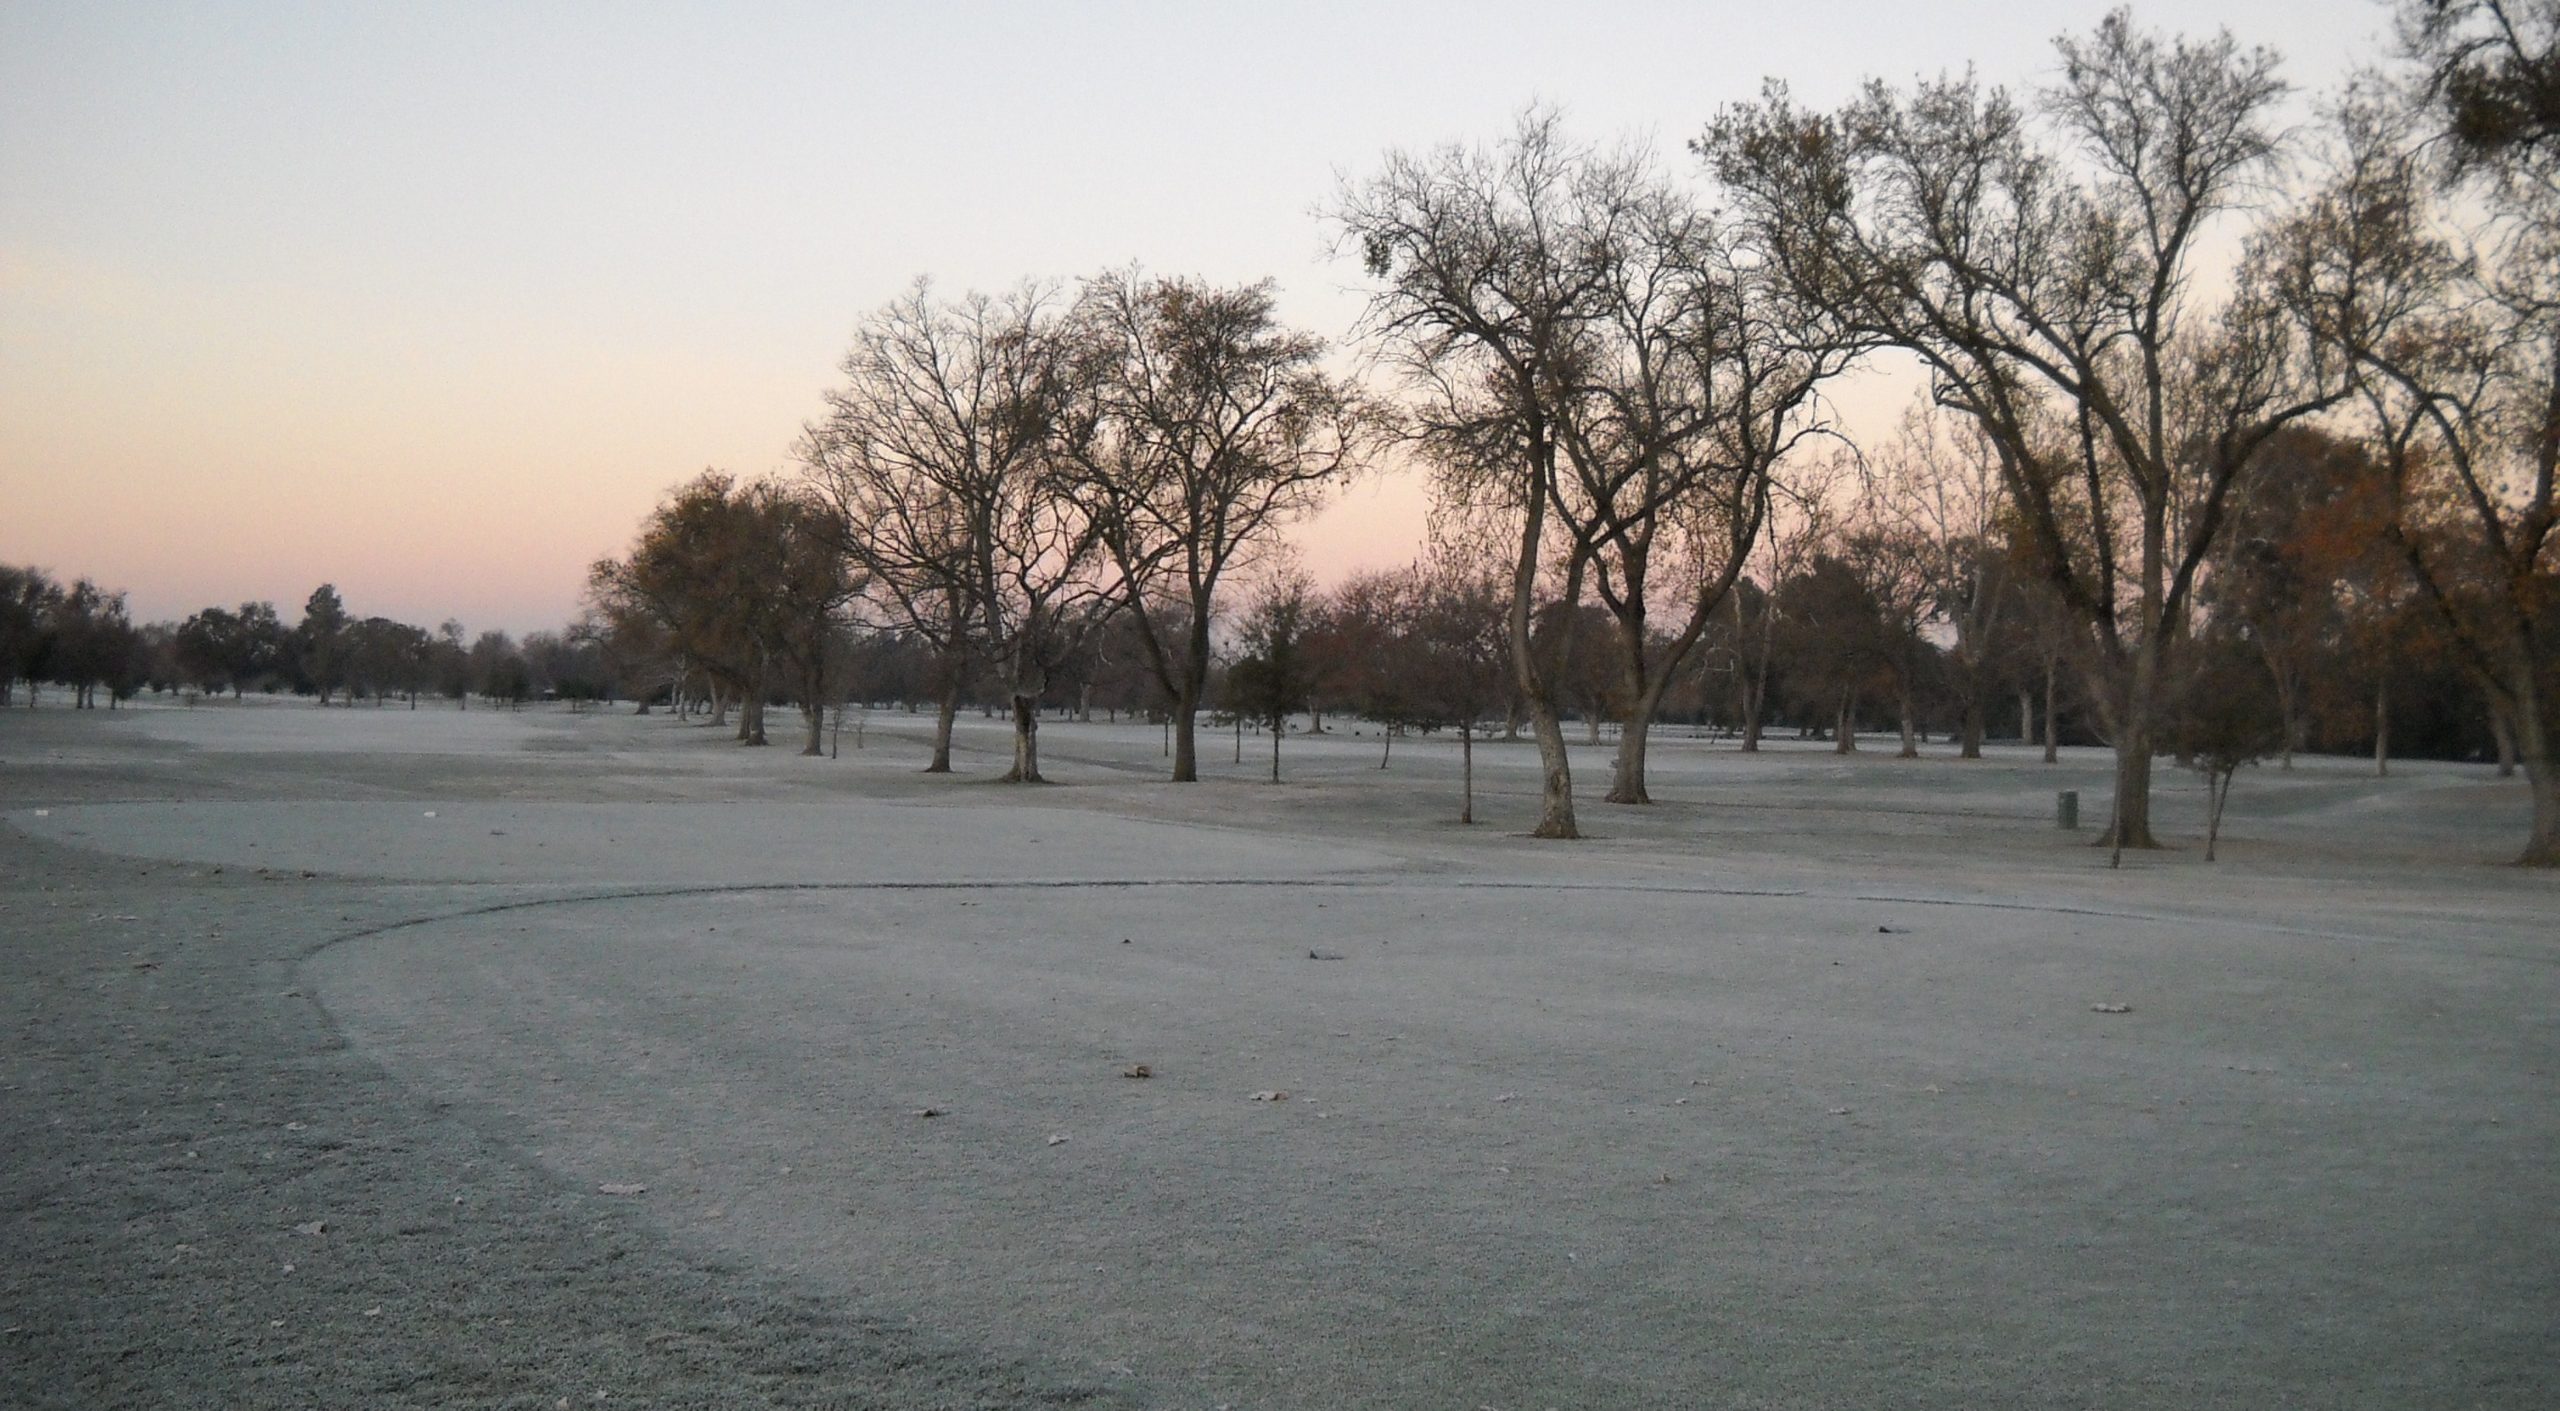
column 942, row 451
column 1495, row 263
column 2452, row 333
column 1197, row 426
column 2047, row 272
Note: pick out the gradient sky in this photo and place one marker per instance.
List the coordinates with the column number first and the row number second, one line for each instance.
column 435, row 301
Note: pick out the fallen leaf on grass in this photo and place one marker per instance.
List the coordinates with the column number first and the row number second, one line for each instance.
column 1272, row 1095
column 622, row 1188
column 1057, row 1139
column 931, row 1112
column 2111, row 1009
column 1324, row 955
column 1839, row 1112
column 1505, row 1097
column 1137, row 1070
column 312, row 1227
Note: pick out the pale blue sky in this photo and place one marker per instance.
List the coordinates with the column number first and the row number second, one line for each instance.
column 434, row 300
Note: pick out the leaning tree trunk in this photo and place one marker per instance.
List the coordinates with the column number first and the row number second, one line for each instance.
column 1555, row 794
column 1389, row 736
column 2504, row 737
column 2217, row 792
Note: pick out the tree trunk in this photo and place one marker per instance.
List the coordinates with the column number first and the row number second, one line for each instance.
column 1746, row 696
column 816, row 719
column 1185, row 727
column 1626, row 783
column 1973, row 727
column 1845, row 739
column 1278, row 729
column 1466, row 773
column 2217, row 792
column 2288, row 709
column 2505, row 737
column 751, row 720
column 946, row 710
column 1026, row 742
column 1910, row 740
column 1388, row 747
column 2130, row 822
column 1555, row 792
column 2026, row 715
column 2382, row 727
column 2052, row 728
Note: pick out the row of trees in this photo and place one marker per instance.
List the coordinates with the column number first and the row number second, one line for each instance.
column 83, row 638
column 2137, row 461
column 2042, row 259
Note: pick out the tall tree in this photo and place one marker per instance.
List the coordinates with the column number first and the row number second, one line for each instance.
column 942, row 451
column 1197, row 426
column 1495, row 262
column 2452, row 332
column 1648, row 399
column 2044, row 262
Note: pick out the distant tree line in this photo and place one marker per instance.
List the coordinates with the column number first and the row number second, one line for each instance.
column 83, row 639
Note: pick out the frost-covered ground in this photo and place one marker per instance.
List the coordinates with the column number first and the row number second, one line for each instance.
column 1794, row 1088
